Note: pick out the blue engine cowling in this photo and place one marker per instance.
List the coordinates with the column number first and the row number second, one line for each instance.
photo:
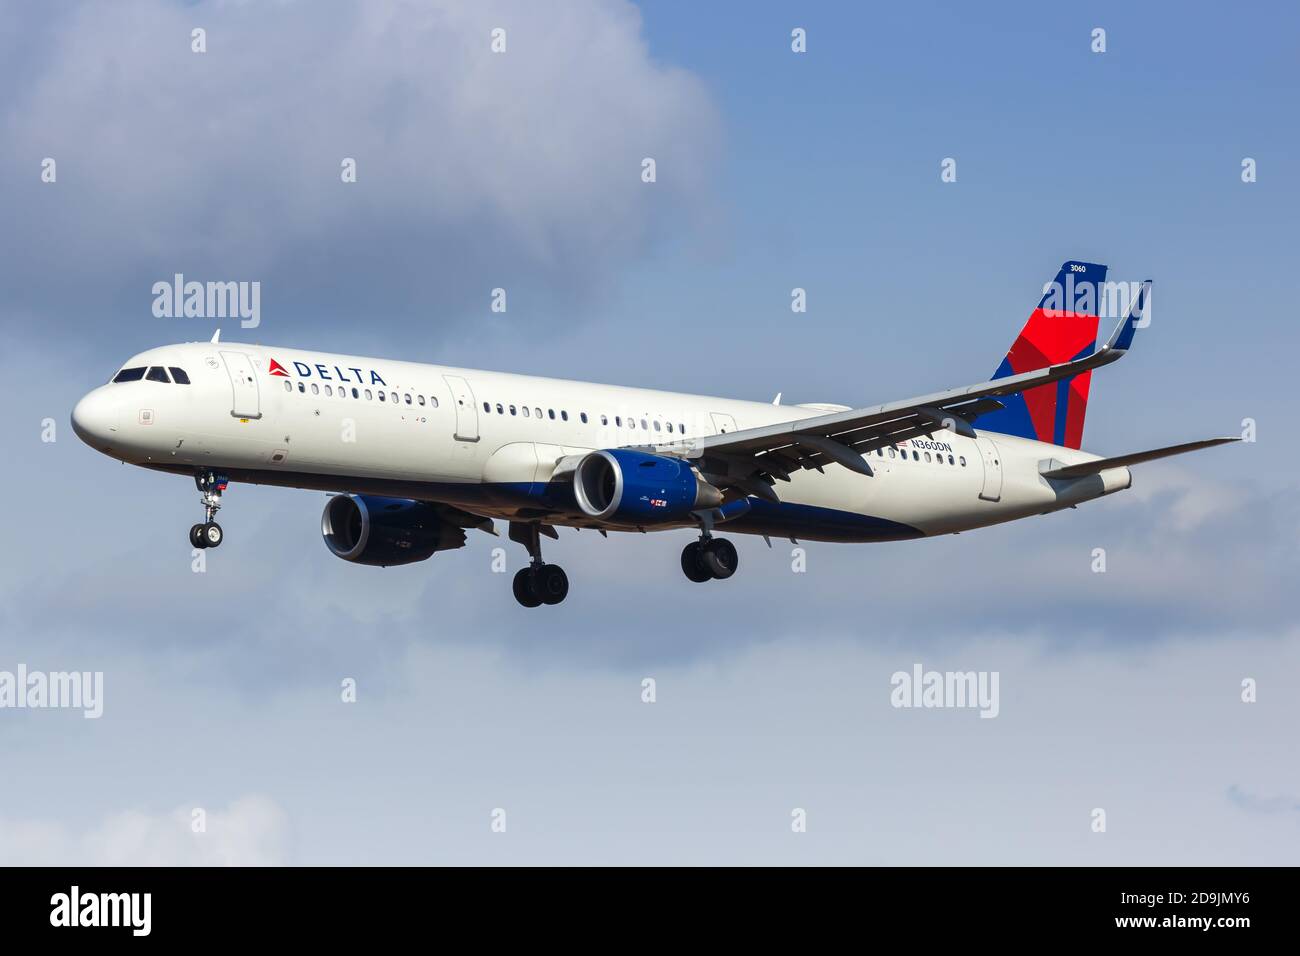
column 366, row 529
column 634, row 487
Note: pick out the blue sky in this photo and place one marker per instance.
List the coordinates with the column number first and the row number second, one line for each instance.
column 775, row 171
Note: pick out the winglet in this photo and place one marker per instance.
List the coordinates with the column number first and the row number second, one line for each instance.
column 1136, row 316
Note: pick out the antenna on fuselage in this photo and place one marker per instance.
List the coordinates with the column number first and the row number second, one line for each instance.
column 216, row 337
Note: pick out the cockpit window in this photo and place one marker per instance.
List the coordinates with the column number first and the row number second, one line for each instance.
column 178, row 374
column 157, row 373
column 129, row 375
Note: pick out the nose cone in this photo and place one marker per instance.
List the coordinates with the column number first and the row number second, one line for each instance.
column 95, row 419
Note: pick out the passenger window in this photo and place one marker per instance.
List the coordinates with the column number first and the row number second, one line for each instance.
column 355, row 393
column 178, row 375
column 157, row 374
column 129, row 375
column 950, row 461
column 564, row 415
column 408, row 400
column 916, row 456
column 643, row 424
column 526, row 415
column 551, row 413
column 537, row 412
column 583, row 416
column 302, row 387
column 369, row 395
column 962, row 461
column 618, row 420
column 927, row 456
column 500, row 410
column 631, row 423
column 682, row 428
column 433, row 401
column 381, row 396
column 512, row 409
column 421, row 398
column 487, row 407
column 315, row 389
column 891, row 452
column 288, row 386
column 656, row 424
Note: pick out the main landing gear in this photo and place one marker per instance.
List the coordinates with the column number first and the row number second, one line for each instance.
column 539, row 583
column 709, row 558
column 209, row 533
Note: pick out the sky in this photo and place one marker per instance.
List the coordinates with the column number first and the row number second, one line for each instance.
column 223, row 688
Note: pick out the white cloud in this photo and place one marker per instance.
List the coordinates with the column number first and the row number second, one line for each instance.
column 252, row 831
column 475, row 169
column 1192, row 499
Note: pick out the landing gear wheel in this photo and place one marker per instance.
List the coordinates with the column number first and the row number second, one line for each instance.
column 525, row 593
column 720, row 557
column 212, row 534
column 551, row 583
column 693, row 563
column 539, row 583
column 211, row 485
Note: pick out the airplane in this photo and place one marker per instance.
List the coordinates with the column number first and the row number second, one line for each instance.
column 420, row 454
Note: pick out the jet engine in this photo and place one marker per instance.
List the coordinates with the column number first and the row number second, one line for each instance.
column 366, row 529
column 633, row 487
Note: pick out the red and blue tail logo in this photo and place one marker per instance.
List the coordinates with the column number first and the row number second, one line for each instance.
column 1063, row 328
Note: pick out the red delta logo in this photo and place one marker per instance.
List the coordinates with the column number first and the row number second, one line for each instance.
column 330, row 373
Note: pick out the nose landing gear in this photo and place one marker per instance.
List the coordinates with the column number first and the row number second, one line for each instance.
column 539, row 583
column 209, row 533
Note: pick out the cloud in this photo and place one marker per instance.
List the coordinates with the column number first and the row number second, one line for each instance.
column 708, row 773
column 475, row 169
column 1258, row 803
column 252, row 831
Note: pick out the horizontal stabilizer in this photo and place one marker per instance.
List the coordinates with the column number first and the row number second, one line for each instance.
column 1093, row 467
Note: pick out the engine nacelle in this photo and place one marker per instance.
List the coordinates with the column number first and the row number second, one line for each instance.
column 366, row 529
column 637, row 488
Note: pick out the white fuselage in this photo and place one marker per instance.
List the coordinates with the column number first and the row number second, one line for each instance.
column 488, row 442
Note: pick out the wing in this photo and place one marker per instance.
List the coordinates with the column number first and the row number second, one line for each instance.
column 750, row 458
